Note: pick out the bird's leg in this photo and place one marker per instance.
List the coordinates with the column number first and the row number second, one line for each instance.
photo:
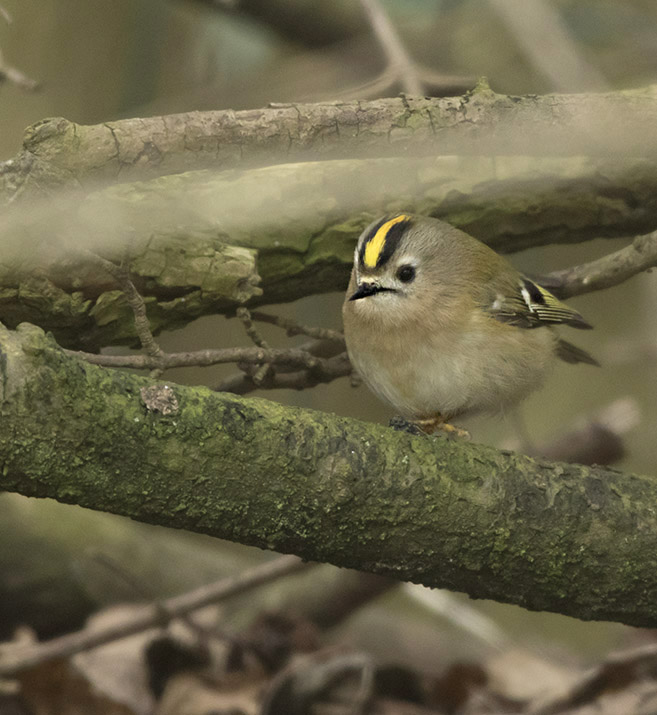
column 435, row 424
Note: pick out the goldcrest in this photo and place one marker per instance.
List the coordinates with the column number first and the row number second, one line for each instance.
column 439, row 325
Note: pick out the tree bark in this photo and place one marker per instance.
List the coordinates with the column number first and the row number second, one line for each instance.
column 547, row 536
column 58, row 152
column 199, row 243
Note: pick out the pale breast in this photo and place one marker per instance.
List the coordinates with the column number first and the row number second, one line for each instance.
column 484, row 368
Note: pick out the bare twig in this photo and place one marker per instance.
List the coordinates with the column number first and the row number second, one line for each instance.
column 544, row 37
column 9, row 73
column 292, row 328
column 136, row 303
column 245, row 316
column 14, row 659
column 598, row 440
column 326, row 371
column 318, row 361
column 15, row 76
column 460, row 614
column 204, row 358
column 595, row 680
column 401, row 69
column 398, row 60
column 608, row 271
column 262, row 375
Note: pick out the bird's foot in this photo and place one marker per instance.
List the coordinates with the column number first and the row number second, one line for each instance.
column 431, row 426
column 400, row 424
column 437, row 424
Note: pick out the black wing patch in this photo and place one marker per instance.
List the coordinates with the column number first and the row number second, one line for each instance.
column 533, row 306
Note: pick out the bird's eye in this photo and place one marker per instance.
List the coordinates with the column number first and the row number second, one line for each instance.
column 406, row 273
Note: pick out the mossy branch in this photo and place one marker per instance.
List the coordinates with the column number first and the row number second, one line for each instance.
column 547, row 536
column 199, row 243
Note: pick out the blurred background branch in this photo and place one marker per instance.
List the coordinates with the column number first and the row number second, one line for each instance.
column 539, row 29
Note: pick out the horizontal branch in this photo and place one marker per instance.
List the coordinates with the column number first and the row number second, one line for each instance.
column 203, row 358
column 305, row 22
column 200, row 244
column 547, row 536
column 59, row 152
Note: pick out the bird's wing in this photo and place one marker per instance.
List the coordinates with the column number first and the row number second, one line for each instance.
column 528, row 305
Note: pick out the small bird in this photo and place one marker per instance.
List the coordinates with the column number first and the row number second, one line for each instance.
column 440, row 326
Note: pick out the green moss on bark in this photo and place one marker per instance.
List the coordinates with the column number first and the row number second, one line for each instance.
column 546, row 536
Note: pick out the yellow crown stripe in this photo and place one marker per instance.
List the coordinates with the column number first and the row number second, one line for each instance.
column 376, row 243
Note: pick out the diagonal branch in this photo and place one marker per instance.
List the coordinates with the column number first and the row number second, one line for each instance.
column 605, row 272
column 136, row 303
column 15, row 658
column 545, row 38
column 547, row 536
column 9, row 73
column 399, row 62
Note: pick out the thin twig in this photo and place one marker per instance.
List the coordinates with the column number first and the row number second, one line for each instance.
column 262, row 375
column 204, row 358
column 136, row 303
column 596, row 679
column 461, row 614
column 6, row 16
column 398, row 59
column 246, row 317
column 293, row 328
column 11, row 74
column 326, row 371
column 15, row 76
column 539, row 29
column 14, row 659
column 605, row 272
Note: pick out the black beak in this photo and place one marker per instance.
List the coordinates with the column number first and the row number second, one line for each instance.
column 366, row 289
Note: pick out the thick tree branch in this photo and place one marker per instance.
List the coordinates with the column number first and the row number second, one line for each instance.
column 58, row 152
column 548, row 536
column 296, row 239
